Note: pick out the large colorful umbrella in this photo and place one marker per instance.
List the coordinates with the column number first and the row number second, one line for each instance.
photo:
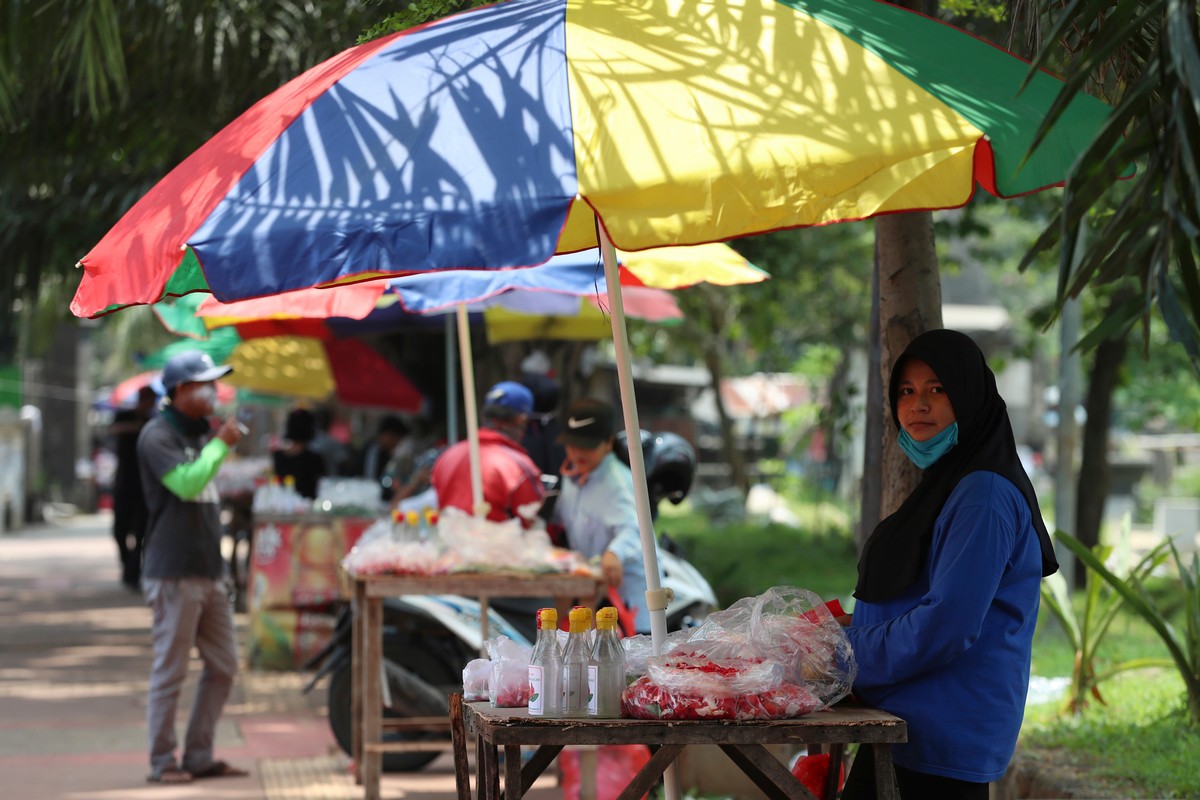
column 500, row 136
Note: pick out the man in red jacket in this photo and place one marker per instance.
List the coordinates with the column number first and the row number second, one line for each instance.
column 512, row 483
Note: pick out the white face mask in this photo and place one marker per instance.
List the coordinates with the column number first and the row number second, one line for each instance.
column 206, row 393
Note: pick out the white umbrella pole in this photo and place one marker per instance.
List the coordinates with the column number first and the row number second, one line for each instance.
column 656, row 597
column 468, row 384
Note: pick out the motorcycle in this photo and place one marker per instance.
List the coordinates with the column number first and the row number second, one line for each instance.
column 428, row 639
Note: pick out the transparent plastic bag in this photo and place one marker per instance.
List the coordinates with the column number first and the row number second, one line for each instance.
column 776, row 655
column 508, row 681
column 785, row 625
column 476, row 675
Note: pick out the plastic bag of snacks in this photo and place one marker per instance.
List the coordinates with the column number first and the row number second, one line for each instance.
column 379, row 552
column 778, row 655
column 508, row 683
column 476, row 675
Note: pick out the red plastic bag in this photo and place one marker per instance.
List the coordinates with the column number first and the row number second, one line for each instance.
column 813, row 770
column 616, row 766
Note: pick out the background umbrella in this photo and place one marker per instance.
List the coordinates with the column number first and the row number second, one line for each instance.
column 124, row 394
column 497, row 137
column 299, row 361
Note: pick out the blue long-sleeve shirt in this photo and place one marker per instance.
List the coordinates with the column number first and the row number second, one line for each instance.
column 601, row 515
column 951, row 655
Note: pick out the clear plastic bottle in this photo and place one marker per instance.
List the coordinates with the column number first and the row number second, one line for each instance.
column 546, row 669
column 397, row 525
column 575, row 663
column 430, row 518
column 606, row 669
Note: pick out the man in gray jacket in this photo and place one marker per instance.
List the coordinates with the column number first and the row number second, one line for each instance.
column 184, row 575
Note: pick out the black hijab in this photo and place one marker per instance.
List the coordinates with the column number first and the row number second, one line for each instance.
column 896, row 550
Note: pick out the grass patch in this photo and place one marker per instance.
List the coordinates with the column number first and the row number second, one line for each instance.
column 1138, row 744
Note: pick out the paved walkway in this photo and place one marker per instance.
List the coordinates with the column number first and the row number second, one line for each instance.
column 74, row 658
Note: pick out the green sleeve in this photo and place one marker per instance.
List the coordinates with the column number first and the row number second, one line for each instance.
column 187, row 481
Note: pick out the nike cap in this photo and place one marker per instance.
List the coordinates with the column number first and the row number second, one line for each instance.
column 588, row 423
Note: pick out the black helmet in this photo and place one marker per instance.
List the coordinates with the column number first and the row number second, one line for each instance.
column 621, row 446
column 670, row 467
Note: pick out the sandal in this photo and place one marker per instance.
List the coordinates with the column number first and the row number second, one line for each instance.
column 170, row 775
column 219, row 769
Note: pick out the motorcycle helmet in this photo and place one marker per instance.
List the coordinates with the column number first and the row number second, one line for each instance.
column 621, row 446
column 670, row 467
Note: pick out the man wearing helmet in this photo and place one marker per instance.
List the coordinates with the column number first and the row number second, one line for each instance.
column 512, row 483
column 184, row 572
column 596, row 507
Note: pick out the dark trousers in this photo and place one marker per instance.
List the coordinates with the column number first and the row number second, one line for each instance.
column 129, row 530
column 860, row 783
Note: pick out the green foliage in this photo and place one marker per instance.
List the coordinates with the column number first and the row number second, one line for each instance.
column 101, row 98
column 1086, row 629
column 1183, row 646
column 418, row 13
column 1146, row 55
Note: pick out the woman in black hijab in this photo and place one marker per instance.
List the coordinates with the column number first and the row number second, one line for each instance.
column 948, row 586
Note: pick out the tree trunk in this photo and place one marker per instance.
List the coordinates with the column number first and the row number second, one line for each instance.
column 1091, row 488
column 872, row 479
column 910, row 303
column 714, row 360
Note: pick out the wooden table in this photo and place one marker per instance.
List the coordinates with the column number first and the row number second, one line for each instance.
column 743, row 742
column 367, row 697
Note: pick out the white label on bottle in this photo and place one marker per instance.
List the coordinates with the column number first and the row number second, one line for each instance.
column 593, row 689
column 537, row 701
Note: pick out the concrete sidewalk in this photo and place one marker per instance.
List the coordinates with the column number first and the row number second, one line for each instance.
column 74, row 662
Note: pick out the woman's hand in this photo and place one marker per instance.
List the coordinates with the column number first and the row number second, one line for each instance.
column 844, row 620
column 610, row 568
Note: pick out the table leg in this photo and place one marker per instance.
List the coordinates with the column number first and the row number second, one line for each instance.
column 484, row 626
column 834, row 776
column 488, row 781
column 649, row 774
column 768, row 772
column 458, row 734
column 885, row 773
column 542, row 757
column 356, row 682
column 512, row 772
column 372, row 698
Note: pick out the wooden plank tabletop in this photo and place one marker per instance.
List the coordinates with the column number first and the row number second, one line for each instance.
column 845, row 724
column 482, row 584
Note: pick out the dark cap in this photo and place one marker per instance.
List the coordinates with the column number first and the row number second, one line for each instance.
column 588, row 423
column 191, row 366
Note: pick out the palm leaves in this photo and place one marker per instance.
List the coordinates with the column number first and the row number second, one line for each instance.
column 1085, row 631
column 1146, row 54
column 1184, row 647
column 100, row 98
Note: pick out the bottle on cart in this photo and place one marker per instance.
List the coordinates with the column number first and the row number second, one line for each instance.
column 397, row 525
column 575, row 663
column 606, row 669
column 546, row 669
column 430, row 518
